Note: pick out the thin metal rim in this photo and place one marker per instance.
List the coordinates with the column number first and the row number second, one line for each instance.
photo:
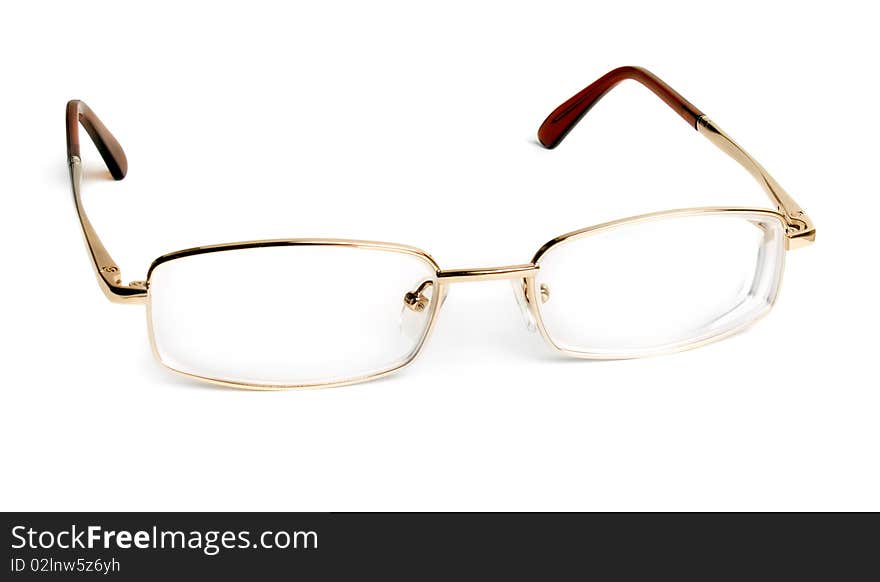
column 660, row 214
column 533, row 291
column 244, row 245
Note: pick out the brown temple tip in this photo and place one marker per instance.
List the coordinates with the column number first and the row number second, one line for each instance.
column 80, row 113
column 566, row 116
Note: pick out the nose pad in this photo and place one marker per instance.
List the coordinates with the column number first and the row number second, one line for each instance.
column 767, row 243
column 520, row 292
column 415, row 309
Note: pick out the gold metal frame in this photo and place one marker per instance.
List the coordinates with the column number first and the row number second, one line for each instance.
column 534, row 291
column 433, row 305
column 799, row 232
column 109, row 275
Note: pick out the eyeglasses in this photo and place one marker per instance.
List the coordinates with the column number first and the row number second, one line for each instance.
column 326, row 312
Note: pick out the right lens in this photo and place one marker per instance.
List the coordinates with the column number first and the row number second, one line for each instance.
column 659, row 283
column 291, row 314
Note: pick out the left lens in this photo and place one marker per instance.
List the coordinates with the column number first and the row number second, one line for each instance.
column 291, row 315
column 659, row 283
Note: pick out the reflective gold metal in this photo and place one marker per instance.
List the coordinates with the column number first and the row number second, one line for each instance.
column 533, row 290
column 430, row 310
column 800, row 231
column 294, row 242
column 416, row 300
column 486, row 273
column 109, row 275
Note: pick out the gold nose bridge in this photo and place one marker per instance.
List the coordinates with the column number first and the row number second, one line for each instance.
column 486, row 273
column 418, row 301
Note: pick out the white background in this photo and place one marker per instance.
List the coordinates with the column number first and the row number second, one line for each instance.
column 415, row 123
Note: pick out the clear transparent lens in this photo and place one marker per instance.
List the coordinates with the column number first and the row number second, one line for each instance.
column 660, row 284
column 289, row 315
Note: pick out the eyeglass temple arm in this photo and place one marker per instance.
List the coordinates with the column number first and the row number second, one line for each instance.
column 109, row 275
column 800, row 230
